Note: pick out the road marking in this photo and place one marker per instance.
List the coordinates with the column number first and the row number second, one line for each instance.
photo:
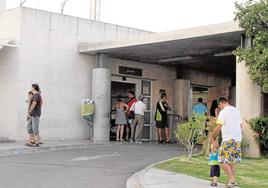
column 96, row 157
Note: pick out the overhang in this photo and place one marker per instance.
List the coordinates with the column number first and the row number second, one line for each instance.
column 189, row 47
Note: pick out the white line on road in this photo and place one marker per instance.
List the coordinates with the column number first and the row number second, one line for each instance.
column 96, row 157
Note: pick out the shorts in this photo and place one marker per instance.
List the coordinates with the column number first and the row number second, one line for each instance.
column 214, row 171
column 161, row 125
column 230, row 152
column 33, row 125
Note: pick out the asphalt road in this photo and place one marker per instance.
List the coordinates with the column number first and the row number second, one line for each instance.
column 98, row 166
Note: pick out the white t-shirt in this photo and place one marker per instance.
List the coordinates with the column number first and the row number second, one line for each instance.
column 231, row 121
column 138, row 108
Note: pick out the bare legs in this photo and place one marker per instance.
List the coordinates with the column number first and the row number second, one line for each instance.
column 229, row 170
column 119, row 132
column 167, row 134
column 159, row 132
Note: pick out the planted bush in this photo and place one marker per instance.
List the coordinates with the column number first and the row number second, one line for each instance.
column 189, row 132
column 260, row 126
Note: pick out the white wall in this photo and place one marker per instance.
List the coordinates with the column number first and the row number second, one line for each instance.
column 48, row 56
column 9, row 29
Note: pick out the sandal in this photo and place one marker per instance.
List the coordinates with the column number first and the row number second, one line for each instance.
column 168, row 142
column 229, row 185
column 213, row 184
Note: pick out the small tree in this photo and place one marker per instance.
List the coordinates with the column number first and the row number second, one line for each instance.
column 253, row 18
column 188, row 132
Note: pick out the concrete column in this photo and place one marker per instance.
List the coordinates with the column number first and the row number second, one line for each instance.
column 248, row 101
column 2, row 5
column 182, row 97
column 101, row 93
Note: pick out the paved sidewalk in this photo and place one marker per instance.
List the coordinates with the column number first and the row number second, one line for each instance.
column 155, row 178
column 17, row 148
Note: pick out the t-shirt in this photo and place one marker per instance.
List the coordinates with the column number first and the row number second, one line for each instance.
column 160, row 106
column 37, row 109
column 138, row 108
column 200, row 109
column 130, row 103
column 213, row 158
column 231, row 121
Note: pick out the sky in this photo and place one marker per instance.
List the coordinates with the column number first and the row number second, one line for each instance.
column 151, row 15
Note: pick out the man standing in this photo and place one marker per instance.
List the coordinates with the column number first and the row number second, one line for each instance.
column 138, row 121
column 161, row 117
column 200, row 108
column 130, row 113
column 35, row 112
column 230, row 123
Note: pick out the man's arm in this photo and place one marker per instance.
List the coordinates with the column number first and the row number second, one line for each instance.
column 215, row 132
column 32, row 107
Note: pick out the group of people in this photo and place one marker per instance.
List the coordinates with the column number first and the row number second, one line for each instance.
column 35, row 102
column 131, row 115
column 227, row 153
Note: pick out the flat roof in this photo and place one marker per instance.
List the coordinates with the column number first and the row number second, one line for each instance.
column 182, row 47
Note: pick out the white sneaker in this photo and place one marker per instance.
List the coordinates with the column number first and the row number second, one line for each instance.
column 138, row 142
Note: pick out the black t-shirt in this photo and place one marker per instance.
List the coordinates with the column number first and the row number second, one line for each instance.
column 163, row 113
column 37, row 109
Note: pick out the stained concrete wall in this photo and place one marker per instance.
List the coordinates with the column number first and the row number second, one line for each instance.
column 47, row 55
column 9, row 29
column 249, row 102
column 206, row 78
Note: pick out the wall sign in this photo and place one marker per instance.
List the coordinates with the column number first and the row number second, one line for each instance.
column 130, row 71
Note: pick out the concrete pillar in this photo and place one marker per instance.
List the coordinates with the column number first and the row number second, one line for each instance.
column 95, row 9
column 101, row 93
column 248, row 101
column 182, row 97
column 2, row 5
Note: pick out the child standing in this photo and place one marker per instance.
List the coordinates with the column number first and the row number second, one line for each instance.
column 214, row 164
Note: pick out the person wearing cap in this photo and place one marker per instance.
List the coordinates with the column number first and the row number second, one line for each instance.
column 139, row 108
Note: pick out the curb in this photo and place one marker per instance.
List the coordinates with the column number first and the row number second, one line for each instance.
column 137, row 180
column 43, row 148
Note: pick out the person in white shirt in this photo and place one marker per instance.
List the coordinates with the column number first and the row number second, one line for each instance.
column 229, row 122
column 138, row 122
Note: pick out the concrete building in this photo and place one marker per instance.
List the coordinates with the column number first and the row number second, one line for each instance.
column 72, row 58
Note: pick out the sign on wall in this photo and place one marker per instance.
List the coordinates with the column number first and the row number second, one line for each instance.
column 130, row 71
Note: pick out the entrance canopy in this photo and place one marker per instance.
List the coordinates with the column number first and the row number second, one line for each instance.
column 206, row 48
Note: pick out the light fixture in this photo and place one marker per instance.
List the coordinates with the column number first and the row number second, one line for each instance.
column 222, row 54
column 165, row 60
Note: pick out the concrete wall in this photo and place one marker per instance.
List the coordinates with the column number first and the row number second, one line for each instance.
column 9, row 29
column 206, row 78
column 47, row 55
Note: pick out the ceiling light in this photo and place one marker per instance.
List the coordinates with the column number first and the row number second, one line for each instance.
column 174, row 59
column 230, row 53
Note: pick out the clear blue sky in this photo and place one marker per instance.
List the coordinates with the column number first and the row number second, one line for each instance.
column 152, row 15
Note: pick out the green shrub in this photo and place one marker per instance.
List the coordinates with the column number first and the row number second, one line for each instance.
column 260, row 126
column 189, row 132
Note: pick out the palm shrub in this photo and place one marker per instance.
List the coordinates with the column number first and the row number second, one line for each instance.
column 189, row 132
column 260, row 126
